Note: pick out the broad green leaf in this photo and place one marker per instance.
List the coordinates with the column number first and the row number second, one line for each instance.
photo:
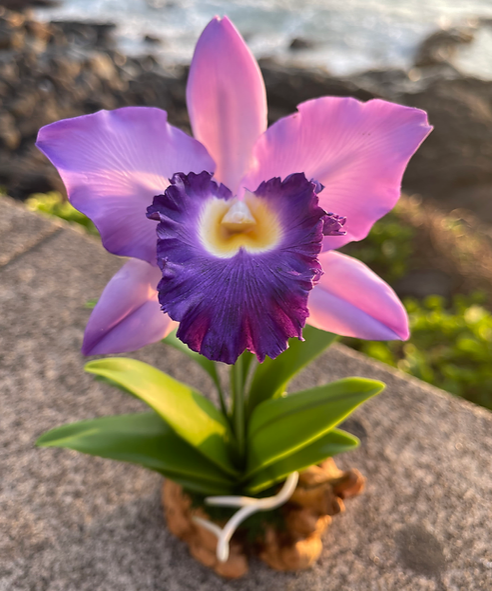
column 278, row 428
column 194, row 418
column 334, row 442
column 143, row 439
column 209, row 366
column 272, row 376
column 105, row 380
column 199, row 486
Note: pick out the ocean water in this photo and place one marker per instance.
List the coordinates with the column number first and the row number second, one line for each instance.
column 348, row 35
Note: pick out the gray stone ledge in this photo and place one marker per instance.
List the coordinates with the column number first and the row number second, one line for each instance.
column 71, row 522
column 20, row 230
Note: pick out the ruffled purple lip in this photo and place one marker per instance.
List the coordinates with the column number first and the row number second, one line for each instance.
column 250, row 300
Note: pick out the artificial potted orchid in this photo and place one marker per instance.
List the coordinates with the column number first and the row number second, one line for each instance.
column 230, row 237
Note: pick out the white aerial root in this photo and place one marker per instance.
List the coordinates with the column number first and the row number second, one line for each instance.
column 248, row 506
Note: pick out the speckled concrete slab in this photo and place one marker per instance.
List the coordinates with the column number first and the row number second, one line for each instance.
column 20, row 231
column 70, row 522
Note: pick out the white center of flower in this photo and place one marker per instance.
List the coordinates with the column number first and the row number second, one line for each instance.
column 226, row 226
column 238, row 218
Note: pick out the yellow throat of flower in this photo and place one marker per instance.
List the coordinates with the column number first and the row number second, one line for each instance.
column 226, row 226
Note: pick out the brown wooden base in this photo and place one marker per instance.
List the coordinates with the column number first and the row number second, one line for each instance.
column 319, row 495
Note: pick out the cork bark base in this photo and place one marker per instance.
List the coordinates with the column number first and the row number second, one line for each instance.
column 318, row 497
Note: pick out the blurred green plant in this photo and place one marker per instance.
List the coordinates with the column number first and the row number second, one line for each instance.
column 450, row 346
column 387, row 248
column 54, row 204
column 451, row 342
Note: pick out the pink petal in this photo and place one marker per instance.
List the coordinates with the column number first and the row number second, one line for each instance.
column 358, row 151
column 226, row 99
column 352, row 301
column 113, row 163
column 128, row 315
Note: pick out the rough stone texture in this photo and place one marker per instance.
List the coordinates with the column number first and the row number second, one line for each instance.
column 71, row 522
column 20, row 230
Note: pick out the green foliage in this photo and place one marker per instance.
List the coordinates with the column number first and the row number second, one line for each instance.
column 190, row 441
column 143, row 439
column 387, row 248
column 450, row 347
column 189, row 414
column 209, row 366
column 273, row 375
column 54, row 204
column 451, row 342
column 91, row 304
column 282, row 426
column 332, row 443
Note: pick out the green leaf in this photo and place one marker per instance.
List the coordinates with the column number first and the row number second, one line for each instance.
column 143, row 439
column 199, row 486
column 278, row 428
column 209, row 366
column 189, row 414
column 272, row 376
column 91, row 304
column 334, row 442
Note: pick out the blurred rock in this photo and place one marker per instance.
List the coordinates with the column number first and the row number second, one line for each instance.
column 287, row 87
column 299, row 43
column 51, row 71
column 442, row 45
column 476, row 198
column 11, row 32
column 9, row 135
column 153, row 40
column 38, row 30
column 23, row 4
column 102, row 66
column 458, row 153
column 423, row 283
column 87, row 33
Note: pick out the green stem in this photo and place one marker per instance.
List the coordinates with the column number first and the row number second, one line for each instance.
column 238, row 415
column 223, row 405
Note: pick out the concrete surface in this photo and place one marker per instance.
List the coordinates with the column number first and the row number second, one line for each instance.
column 70, row 522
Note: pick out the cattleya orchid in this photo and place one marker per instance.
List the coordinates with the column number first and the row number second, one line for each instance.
column 244, row 253
column 232, row 235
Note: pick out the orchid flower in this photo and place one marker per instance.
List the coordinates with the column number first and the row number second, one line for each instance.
column 241, row 260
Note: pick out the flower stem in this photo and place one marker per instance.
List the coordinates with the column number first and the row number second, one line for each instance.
column 238, row 416
column 223, row 405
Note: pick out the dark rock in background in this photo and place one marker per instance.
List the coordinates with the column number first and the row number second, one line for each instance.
column 64, row 69
column 153, row 40
column 287, row 87
column 300, row 43
column 458, row 153
column 87, row 33
column 23, row 4
column 420, row 283
column 442, row 45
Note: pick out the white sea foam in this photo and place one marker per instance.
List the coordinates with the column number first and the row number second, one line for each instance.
column 349, row 35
